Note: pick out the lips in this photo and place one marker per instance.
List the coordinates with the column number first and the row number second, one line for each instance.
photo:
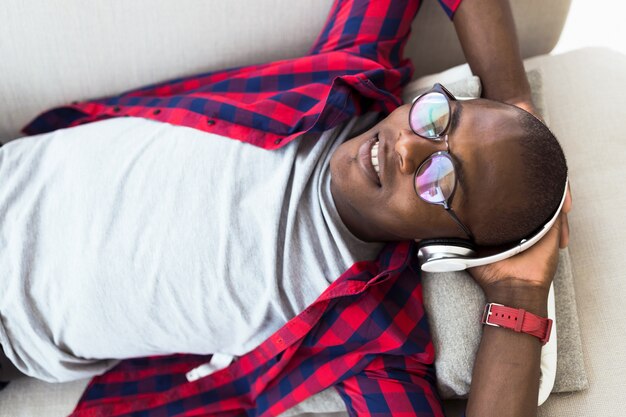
column 365, row 160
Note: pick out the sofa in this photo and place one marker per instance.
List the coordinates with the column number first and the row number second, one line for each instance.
column 58, row 51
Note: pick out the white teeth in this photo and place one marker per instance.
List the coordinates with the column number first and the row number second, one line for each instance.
column 375, row 158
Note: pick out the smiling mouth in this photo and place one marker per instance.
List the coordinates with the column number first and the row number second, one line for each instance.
column 374, row 153
column 368, row 160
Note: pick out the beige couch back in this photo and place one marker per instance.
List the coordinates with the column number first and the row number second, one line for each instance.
column 56, row 51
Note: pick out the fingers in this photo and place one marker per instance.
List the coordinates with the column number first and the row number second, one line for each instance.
column 550, row 242
column 530, row 108
column 564, row 238
column 567, row 207
column 548, row 251
column 555, row 233
column 567, row 204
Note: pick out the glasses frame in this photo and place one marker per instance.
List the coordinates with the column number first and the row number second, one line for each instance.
column 442, row 136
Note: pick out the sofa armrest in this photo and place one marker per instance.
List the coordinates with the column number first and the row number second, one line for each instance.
column 58, row 51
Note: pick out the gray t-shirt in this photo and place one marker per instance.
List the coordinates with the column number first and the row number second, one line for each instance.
column 130, row 237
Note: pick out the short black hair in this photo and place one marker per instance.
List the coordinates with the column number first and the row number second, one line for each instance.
column 543, row 179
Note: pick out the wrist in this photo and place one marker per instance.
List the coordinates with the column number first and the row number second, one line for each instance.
column 515, row 91
column 531, row 298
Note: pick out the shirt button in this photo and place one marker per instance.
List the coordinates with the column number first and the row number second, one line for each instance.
column 116, row 109
column 277, row 141
column 157, row 111
column 210, row 122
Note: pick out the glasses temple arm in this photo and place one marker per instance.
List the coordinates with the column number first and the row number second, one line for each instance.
column 458, row 221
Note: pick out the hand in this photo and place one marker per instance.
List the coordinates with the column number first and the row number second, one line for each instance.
column 567, row 206
column 529, row 272
column 527, row 104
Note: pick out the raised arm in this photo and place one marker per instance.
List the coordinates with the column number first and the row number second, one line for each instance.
column 505, row 381
column 487, row 34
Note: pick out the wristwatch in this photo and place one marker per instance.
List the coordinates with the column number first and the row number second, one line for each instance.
column 517, row 319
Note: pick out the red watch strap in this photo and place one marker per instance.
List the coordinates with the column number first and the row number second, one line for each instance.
column 517, row 319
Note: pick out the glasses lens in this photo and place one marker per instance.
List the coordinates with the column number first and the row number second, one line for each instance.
column 435, row 179
column 430, row 115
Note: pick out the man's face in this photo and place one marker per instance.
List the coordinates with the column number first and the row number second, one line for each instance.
column 483, row 138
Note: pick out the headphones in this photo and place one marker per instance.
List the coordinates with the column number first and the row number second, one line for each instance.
column 450, row 254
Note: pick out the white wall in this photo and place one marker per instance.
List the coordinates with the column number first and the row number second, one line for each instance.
column 594, row 23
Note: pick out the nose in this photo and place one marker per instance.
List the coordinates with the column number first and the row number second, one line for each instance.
column 413, row 150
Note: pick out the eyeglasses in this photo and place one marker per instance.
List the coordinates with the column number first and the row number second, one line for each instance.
column 435, row 179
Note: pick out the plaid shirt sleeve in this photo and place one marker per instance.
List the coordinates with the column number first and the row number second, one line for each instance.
column 356, row 24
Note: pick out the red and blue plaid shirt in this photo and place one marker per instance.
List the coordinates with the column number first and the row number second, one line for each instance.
column 366, row 335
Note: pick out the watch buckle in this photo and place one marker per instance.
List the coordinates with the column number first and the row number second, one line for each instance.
column 487, row 314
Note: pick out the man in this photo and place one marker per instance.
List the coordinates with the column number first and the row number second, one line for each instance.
column 537, row 280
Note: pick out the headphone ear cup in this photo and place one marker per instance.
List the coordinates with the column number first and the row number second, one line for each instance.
column 442, row 248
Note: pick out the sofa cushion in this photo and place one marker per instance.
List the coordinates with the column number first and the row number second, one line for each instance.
column 585, row 94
